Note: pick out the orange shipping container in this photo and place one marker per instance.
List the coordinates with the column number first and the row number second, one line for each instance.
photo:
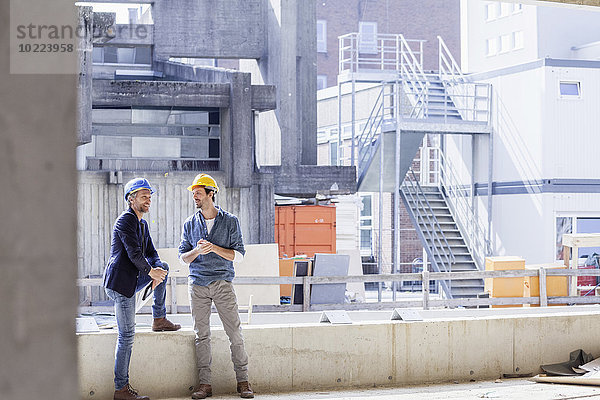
column 304, row 230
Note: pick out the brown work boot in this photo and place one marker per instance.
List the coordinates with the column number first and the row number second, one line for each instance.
column 203, row 392
column 245, row 390
column 128, row 393
column 163, row 324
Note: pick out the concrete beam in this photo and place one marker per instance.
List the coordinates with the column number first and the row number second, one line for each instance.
column 125, row 34
column 308, row 180
column 209, row 29
column 312, row 356
column 264, row 97
column 159, row 93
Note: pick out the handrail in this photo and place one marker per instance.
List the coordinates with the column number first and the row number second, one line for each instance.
column 452, row 102
column 438, row 246
column 381, row 54
column 447, row 65
column 543, row 299
column 459, row 197
column 383, row 109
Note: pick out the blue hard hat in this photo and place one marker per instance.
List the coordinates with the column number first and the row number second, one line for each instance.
column 137, row 184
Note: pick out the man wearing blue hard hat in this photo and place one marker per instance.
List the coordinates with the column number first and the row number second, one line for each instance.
column 133, row 264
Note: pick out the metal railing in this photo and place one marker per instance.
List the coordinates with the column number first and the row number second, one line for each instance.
column 437, row 247
column 441, row 101
column 472, row 100
column 448, row 68
column 542, row 299
column 460, row 199
column 375, row 53
column 382, row 111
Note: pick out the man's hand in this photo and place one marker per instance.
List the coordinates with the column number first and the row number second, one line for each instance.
column 205, row 246
column 158, row 275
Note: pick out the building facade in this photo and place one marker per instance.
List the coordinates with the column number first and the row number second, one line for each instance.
column 423, row 20
column 546, row 81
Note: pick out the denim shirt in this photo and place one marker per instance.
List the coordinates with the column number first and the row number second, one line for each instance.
column 226, row 233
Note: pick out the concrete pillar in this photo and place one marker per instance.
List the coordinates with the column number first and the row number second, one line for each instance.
column 306, row 79
column 38, row 260
column 291, row 66
column 242, row 142
column 84, row 83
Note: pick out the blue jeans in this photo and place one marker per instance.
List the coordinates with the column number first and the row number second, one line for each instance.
column 125, row 315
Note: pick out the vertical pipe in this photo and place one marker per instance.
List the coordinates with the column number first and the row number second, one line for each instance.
column 490, row 178
column 339, row 125
column 439, row 57
column 353, row 120
column 379, row 242
column 397, row 190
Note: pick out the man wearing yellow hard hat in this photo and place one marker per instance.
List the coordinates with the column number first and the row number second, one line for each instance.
column 211, row 241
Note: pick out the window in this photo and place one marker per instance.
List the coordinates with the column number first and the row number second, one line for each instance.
column 505, row 9
column 491, row 46
column 505, row 43
column 366, row 224
column 491, row 11
column 517, row 40
column 333, row 153
column 576, row 224
column 133, row 16
column 125, row 55
column 367, row 37
column 321, row 36
column 97, row 55
column 570, row 89
column 517, row 7
column 122, row 55
column 321, row 82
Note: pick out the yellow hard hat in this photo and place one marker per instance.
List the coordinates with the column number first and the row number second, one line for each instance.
column 204, row 180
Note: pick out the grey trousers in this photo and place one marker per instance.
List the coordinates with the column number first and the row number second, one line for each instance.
column 201, row 299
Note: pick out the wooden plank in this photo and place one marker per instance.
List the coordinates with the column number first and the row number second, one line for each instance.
column 543, row 295
column 425, row 289
column 306, row 293
column 574, row 266
column 581, row 239
column 302, row 268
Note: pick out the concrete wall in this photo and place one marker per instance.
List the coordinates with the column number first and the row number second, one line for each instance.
column 37, row 210
column 321, row 356
column 209, row 29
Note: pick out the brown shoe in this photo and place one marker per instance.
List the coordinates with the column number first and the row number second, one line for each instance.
column 128, row 393
column 163, row 324
column 203, row 392
column 245, row 390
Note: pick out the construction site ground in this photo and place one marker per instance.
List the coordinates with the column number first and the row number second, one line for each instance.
column 513, row 389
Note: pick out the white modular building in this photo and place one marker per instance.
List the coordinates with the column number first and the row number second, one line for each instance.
column 544, row 67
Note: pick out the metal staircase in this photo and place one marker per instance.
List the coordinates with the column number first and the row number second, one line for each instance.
column 449, row 230
column 409, row 106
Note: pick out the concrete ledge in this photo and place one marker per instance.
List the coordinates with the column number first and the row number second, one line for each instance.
column 322, row 356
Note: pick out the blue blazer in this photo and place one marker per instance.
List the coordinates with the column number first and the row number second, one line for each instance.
column 127, row 261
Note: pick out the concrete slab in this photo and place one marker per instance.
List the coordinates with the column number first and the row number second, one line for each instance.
column 289, row 352
column 507, row 389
